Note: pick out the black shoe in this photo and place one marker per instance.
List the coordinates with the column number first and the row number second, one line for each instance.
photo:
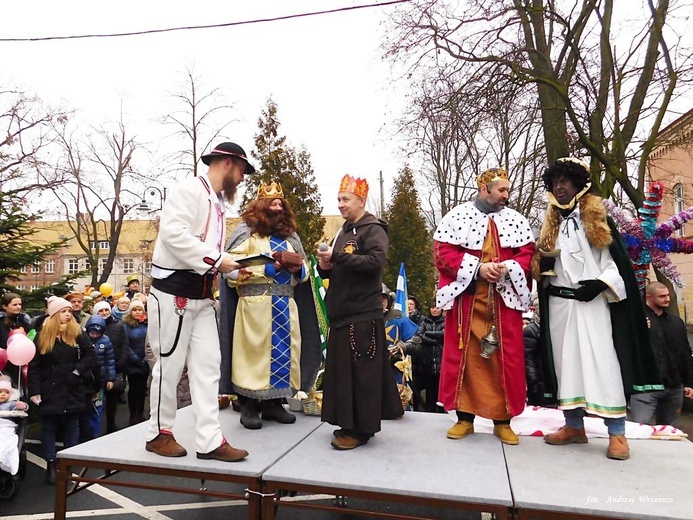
column 51, row 472
column 273, row 410
column 250, row 415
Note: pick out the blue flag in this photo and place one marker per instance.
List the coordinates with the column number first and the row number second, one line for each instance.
column 401, row 293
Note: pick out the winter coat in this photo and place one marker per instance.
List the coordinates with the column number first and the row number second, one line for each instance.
column 431, row 334
column 103, row 347
column 137, row 337
column 534, row 366
column 21, row 320
column 52, row 376
column 115, row 330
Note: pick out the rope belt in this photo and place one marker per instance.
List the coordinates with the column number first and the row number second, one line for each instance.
column 261, row 289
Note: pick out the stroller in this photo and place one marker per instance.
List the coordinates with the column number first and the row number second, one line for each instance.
column 12, row 424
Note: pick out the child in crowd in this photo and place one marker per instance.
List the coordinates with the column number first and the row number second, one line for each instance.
column 96, row 328
column 9, row 443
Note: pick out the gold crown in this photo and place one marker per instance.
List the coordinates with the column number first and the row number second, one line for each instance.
column 273, row 190
column 491, row 175
column 357, row 186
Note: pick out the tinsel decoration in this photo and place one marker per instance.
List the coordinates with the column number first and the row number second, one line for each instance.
column 649, row 243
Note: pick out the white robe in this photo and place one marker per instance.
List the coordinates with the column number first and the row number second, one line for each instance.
column 587, row 368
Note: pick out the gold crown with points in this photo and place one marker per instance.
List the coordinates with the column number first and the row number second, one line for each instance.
column 357, row 186
column 491, row 175
column 273, row 190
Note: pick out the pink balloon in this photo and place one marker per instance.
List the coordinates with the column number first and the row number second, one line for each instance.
column 3, row 358
column 21, row 350
column 15, row 333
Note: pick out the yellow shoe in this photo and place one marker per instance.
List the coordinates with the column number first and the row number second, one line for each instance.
column 461, row 430
column 505, row 433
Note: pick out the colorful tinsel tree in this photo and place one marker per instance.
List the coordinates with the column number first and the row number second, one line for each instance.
column 649, row 243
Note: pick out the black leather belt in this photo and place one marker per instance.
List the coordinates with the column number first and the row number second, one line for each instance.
column 561, row 292
column 186, row 284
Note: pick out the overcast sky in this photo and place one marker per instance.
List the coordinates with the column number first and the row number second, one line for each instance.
column 334, row 93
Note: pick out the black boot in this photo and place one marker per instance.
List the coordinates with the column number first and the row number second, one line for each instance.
column 273, row 410
column 50, row 472
column 250, row 415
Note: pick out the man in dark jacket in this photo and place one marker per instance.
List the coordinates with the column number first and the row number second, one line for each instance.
column 427, row 364
column 670, row 343
column 359, row 388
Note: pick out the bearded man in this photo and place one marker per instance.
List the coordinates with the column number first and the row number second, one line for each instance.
column 182, row 319
column 483, row 251
column 269, row 330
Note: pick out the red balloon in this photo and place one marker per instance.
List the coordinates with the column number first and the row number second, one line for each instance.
column 3, row 358
column 21, row 351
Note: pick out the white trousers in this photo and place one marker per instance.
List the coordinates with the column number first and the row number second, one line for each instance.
column 178, row 338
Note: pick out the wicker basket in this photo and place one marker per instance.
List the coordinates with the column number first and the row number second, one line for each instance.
column 313, row 404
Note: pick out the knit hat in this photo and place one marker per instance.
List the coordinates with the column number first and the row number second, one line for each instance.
column 101, row 305
column 134, row 304
column 57, row 305
column 6, row 384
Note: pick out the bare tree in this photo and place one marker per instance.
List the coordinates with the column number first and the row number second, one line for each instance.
column 100, row 182
column 26, row 126
column 199, row 122
column 612, row 99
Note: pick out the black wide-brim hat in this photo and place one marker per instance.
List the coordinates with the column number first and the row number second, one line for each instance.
column 229, row 149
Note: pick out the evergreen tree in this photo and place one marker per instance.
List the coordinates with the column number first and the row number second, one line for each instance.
column 410, row 240
column 17, row 250
column 290, row 167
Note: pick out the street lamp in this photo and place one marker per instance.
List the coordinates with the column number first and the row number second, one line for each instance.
column 146, row 207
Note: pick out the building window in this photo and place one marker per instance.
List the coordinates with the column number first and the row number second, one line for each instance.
column 23, row 270
column 72, row 266
column 147, row 267
column 20, row 287
column 103, row 244
column 50, row 266
column 33, row 287
column 128, row 266
column 35, row 268
column 102, row 267
column 87, row 264
column 679, row 206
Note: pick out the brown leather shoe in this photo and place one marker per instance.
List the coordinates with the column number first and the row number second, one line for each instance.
column 506, row 435
column 461, row 430
column 566, row 435
column 165, row 445
column 224, row 401
column 224, row 453
column 618, row 448
column 347, row 442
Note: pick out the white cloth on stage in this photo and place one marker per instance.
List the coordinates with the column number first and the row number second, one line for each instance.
column 585, row 360
column 536, row 421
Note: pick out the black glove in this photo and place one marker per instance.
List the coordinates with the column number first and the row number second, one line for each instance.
column 546, row 263
column 590, row 290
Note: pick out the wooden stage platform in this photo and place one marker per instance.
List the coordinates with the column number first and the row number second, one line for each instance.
column 410, row 462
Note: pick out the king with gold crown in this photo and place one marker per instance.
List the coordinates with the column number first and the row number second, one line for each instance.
column 483, row 251
column 269, row 333
column 359, row 390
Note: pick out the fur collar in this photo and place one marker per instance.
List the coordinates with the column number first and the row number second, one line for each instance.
column 593, row 216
